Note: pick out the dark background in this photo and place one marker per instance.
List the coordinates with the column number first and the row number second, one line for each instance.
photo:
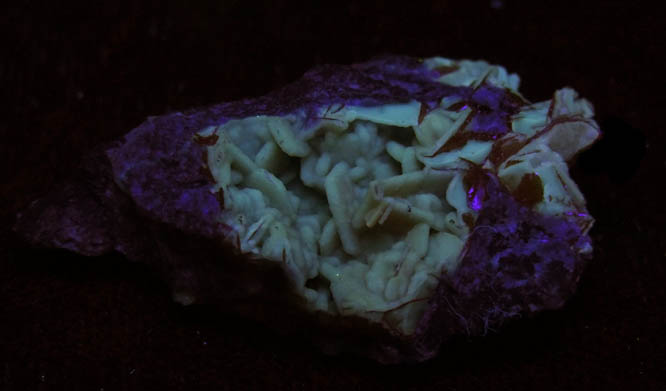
column 75, row 74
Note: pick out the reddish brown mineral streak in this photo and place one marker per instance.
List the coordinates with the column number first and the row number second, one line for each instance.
column 530, row 190
column 457, row 106
column 342, row 106
column 415, row 300
column 330, row 119
column 220, row 197
column 205, row 170
column 206, row 140
column 585, row 226
column 503, row 149
column 500, row 152
column 564, row 185
column 558, row 121
column 551, row 107
column 461, row 137
column 475, row 176
column 588, row 224
column 457, row 141
column 328, row 111
column 468, row 218
column 446, row 69
column 423, row 112
column 516, row 99
column 475, row 181
column 483, row 81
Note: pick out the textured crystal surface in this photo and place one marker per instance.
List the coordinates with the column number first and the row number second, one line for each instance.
column 420, row 197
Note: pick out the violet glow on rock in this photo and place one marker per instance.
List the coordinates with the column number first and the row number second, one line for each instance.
column 514, row 260
column 163, row 196
column 386, row 80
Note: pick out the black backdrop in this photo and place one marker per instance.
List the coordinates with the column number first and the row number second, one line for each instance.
column 75, row 74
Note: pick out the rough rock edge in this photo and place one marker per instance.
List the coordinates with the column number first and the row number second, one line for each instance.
column 168, row 221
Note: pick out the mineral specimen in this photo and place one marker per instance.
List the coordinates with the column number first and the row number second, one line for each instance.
column 389, row 204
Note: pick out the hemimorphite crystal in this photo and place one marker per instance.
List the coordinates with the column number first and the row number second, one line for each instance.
column 402, row 199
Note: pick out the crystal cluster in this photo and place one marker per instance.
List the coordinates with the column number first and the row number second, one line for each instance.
column 416, row 198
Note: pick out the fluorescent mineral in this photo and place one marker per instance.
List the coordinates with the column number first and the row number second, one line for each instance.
column 403, row 200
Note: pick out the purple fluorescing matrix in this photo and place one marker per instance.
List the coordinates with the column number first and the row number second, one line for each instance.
column 514, row 261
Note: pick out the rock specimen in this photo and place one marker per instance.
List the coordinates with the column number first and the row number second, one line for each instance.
column 382, row 207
